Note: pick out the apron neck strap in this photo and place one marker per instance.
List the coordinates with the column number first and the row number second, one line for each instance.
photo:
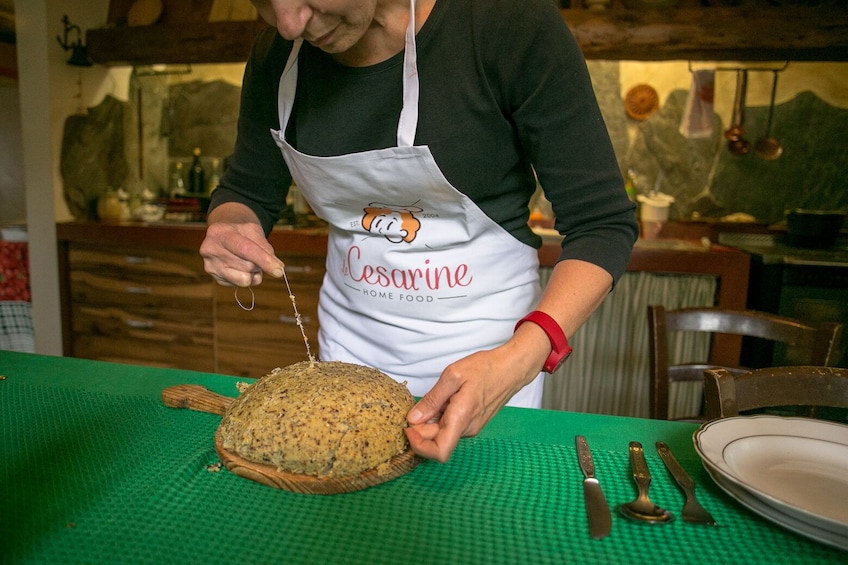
column 408, row 122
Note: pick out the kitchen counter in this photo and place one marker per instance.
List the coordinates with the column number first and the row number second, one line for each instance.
column 185, row 235
column 97, row 470
column 690, row 252
column 774, row 250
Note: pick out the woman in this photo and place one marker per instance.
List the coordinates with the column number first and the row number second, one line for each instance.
column 414, row 129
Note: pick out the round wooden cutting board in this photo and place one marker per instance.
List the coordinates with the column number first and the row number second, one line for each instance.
column 199, row 398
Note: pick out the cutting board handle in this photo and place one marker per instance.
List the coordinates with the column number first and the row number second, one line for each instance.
column 195, row 397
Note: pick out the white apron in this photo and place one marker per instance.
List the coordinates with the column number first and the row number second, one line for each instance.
column 417, row 275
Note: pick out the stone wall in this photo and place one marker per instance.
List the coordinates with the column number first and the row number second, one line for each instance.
column 707, row 179
column 702, row 175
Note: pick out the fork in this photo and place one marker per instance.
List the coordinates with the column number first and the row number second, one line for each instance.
column 693, row 512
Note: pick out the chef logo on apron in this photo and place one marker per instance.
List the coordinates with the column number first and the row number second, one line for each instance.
column 370, row 272
column 395, row 223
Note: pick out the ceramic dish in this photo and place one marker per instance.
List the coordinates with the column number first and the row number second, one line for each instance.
column 793, row 466
column 774, row 515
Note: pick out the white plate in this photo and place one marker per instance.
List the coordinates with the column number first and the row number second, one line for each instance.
column 772, row 514
column 796, row 466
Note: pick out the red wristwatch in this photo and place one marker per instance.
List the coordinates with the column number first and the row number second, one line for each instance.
column 560, row 350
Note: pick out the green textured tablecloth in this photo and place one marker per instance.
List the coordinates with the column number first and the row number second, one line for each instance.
column 94, row 469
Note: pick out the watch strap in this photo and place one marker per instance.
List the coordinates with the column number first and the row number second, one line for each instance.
column 560, row 350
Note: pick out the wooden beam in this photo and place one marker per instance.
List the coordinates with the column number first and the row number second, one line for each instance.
column 216, row 42
column 755, row 33
column 713, row 33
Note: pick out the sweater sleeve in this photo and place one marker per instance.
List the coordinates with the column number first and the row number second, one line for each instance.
column 548, row 94
column 256, row 174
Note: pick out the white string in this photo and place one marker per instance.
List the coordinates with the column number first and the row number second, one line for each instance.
column 252, row 299
column 298, row 319
column 297, row 315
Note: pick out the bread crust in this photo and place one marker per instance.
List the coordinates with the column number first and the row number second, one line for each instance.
column 323, row 419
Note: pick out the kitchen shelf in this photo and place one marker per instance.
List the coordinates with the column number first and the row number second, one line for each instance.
column 747, row 33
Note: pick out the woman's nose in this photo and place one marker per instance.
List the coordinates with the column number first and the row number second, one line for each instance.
column 291, row 18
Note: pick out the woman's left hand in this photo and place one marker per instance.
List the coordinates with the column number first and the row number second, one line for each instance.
column 468, row 394
column 470, row 391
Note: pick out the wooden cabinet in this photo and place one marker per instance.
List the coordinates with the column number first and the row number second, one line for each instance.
column 138, row 294
column 137, row 304
column 252, row 342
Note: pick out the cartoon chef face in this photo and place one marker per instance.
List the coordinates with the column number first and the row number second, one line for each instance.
column 396, row 223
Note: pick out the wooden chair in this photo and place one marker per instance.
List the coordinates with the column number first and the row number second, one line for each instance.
column 822, row 342
column 726, row 394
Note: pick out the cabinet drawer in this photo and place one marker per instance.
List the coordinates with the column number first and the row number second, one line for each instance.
column 150, row 277
column 254, row 361
column 304, row 269
column 166, row 338
column 134, row 351
column 142, row 297
column 252, row 343
column 154, row 325
column 112, row 259
column 140, row 290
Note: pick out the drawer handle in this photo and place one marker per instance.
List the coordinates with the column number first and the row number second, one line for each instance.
column 140, row 324
column 298, row 269
column 132, row 260
column 293, row 321
column 139, row 290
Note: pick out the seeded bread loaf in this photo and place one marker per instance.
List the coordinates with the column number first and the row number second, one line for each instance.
column 323, row 419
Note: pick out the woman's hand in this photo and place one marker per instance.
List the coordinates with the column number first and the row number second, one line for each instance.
column 235, row 251
column 470, row 392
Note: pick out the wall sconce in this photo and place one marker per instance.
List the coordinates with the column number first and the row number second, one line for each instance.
column 79, row 52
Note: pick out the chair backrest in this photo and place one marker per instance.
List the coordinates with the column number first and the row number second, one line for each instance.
column 821, row 341
column 726, row 394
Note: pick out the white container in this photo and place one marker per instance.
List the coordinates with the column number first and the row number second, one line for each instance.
column 13, row 232
column 654, row 207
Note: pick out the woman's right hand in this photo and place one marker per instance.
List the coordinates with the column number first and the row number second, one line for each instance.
column 235, row 251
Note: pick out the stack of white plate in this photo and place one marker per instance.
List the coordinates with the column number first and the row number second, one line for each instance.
column 791, row 471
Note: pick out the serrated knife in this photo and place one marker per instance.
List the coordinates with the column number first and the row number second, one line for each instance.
column 597, row 509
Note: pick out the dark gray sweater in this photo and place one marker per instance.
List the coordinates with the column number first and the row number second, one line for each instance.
column 504, row 91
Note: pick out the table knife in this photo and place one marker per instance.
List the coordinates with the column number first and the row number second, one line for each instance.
column 693, row 512
column 597, row 509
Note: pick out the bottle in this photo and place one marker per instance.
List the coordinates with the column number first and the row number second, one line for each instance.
column 176, row 185
column 196, row 176
column 215, row 177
